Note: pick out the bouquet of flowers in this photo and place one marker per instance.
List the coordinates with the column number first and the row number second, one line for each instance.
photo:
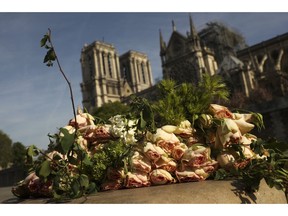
column 84, row 156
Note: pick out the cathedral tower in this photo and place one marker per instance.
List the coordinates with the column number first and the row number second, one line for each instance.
column 106, row 77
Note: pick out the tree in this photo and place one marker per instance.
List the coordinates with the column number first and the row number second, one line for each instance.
column 18, row 154
column 110, row 109
column 6, row 150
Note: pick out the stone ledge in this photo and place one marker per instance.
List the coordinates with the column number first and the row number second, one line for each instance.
column 206, row 192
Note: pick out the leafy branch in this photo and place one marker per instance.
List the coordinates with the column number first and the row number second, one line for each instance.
column 49, row 58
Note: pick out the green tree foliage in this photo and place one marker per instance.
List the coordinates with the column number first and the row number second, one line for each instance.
column 6, row 150
column 187, row 100
column 18, row 154
column 110, row 109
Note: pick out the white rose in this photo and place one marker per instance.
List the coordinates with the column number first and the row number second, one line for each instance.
column 163, row 135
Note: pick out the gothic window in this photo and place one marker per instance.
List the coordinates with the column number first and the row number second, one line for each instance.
column 143, row 72
column 124, row 71
column 114, row 90
column 90, row 66
column 103, row 63
column 109, row 65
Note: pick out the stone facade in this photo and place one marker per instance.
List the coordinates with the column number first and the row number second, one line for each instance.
column 263, row 65
column 185, row 58
column 109, row 77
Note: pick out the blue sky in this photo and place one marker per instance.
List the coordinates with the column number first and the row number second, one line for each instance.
column 34, row 99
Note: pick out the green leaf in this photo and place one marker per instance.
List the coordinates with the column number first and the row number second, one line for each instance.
column 91, row 188
column 67, row 140
column 75, row 188
column 84, row 181
column 32, row 151
column 142, row 121
column 45, row 169
column 44, row 40
column 87, row 160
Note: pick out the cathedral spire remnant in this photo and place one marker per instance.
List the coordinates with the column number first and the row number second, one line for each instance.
column 193, row 31
column 162, row 42
column 173, row 26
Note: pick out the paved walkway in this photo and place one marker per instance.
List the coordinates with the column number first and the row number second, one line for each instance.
column 206, row 192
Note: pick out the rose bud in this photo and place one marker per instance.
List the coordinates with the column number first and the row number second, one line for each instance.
column 160, row 177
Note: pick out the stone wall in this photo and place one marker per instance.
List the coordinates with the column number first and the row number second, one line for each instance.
column 275, row 115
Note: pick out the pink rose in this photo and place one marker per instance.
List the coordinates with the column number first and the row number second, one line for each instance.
column 166, row 163
column 153, row 152
column 167, row 146
column 96, row 133
column 178, row 151
column 160, row 177
column 140, row 163
column 220, row 112
column 187, row 176
column 82, row 120
column 196, row 156
column 137, row 179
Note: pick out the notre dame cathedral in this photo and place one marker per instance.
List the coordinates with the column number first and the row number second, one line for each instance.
column 110, row 77
column 185, row 58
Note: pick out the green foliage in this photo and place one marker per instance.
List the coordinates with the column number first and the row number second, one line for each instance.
column 112, row 154
column 142, row 110
column 19, row 154
column 50, row 56
column 44, row 169
column 187, row 101
column 6, row 150
column 66, row 140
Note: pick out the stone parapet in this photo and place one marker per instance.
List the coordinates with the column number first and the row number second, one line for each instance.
column 205, row 192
